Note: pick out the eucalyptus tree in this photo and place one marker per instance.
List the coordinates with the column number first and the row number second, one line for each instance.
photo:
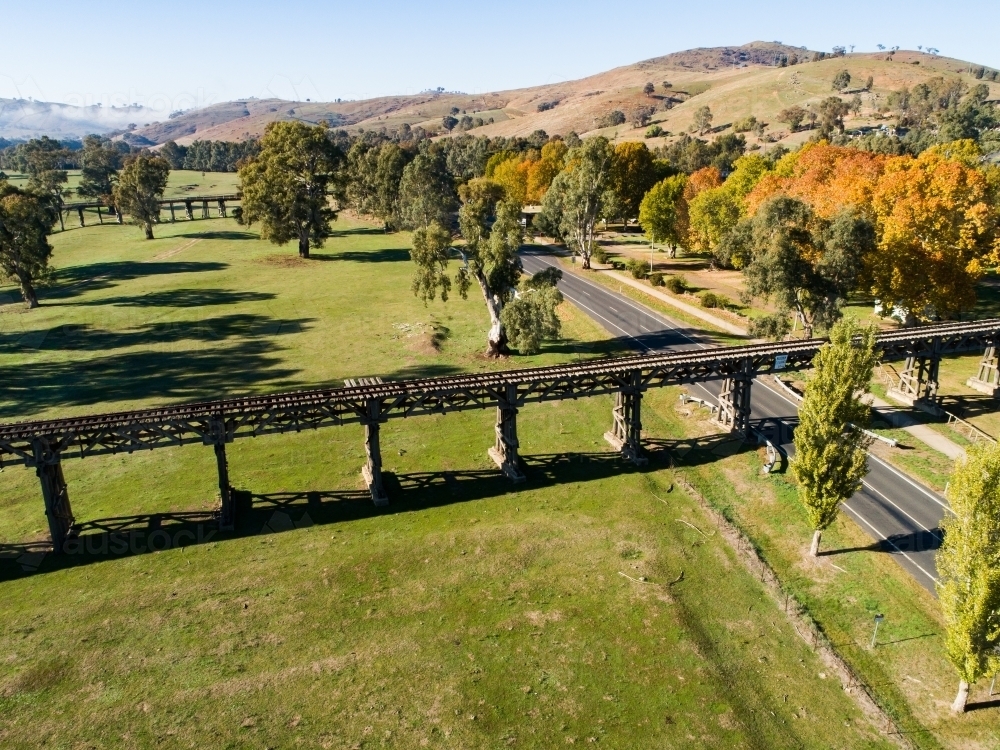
column 287, row 186
column 139, row 189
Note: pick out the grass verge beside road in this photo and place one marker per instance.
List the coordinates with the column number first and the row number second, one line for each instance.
column 471, row 612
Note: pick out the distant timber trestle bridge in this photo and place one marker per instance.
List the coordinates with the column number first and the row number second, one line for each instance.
column 171, row 204
column 370, row 402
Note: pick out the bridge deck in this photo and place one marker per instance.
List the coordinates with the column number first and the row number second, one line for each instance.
column 250, row 416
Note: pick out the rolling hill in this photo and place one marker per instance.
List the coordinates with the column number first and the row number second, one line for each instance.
column 734, row 82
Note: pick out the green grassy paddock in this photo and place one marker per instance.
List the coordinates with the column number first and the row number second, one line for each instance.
column 469, row 613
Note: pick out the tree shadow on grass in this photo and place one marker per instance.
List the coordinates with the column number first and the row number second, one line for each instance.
column 394, row 255
column 917, row 541
column 354, row 231
column 78, row 280
column 982, row 705
column 106, row 539
column 222, row 235
column 182, row 298
column 82, row 337
column 172, row 373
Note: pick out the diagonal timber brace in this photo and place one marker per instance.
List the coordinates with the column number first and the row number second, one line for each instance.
column 626, row 431
column 734, row 401
column 987, row 379
column 504, row 452
column 918, row 380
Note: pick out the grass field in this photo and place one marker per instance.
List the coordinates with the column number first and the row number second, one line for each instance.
column 466, row 614
column 843, row 589
column 181, row 182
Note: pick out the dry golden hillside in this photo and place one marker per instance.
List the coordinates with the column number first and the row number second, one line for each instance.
column 734, row 82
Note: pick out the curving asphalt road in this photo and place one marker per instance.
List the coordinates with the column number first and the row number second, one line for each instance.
column 901, row 516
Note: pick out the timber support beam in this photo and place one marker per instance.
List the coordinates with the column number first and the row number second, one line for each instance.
column 625, row 435
column 222, row 208
column 79, row 212
column 504, row 452
column 919, row 380
column 988, row 379
column 372, row 470
column 734, row 401
column 55, row 493
column 204, row 209
column 189, row 210
column 218, row 436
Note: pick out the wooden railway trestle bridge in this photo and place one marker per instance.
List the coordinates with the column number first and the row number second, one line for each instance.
column 370, row 402
column 171, row 204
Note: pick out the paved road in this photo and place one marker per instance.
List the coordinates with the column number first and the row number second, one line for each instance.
column 901, row 516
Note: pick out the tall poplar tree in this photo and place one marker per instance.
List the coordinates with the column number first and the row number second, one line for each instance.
column 831, row 451
column 659, row 212
column 968, row 565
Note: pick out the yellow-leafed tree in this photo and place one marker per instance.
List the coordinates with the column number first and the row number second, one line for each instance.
column 938, row 228
column 968, row 566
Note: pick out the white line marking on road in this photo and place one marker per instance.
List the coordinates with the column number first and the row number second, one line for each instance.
column 877, row 460
column 886, row 539
column 886, row 498
column 597, row 314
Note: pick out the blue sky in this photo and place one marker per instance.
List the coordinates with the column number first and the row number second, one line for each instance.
column 182, row 54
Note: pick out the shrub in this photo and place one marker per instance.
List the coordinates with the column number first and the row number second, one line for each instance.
column 745, row 125
column 676, row 284
column 618, row 265
column 772, row 327
column 654, row 131
column 600, row 255
column 709, row 299
column 615, row 117
column 712, row 299
column 656, row 278
column 637, row 268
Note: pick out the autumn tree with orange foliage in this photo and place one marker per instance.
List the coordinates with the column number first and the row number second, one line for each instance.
column 697, row 182
column 937, row 216
column 939, row 225
column 828, row 178
column 544, row 170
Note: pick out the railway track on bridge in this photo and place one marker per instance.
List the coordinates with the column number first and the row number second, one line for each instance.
column 44, row 444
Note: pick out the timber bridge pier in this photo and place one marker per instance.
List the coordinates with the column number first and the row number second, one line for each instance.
column 171, row 204
column 44, row 445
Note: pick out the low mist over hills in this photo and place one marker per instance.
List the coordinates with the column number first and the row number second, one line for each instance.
column 24, row 118
column 760, row 79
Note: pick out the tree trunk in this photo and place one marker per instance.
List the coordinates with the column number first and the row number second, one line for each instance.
column 961, row 699
column 303, row 244
column 814, row 549
column 496, row 339
column 149, row 229
column 27, row 291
